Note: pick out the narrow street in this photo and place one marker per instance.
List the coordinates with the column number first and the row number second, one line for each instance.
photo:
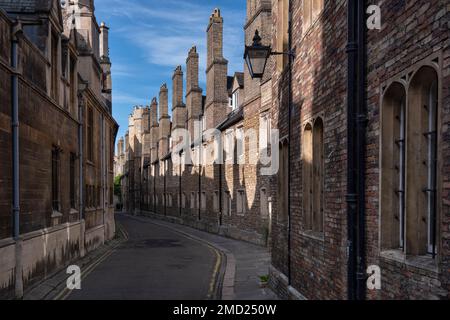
column 154, row 263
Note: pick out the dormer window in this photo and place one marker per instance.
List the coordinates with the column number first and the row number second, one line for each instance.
column 235, row 100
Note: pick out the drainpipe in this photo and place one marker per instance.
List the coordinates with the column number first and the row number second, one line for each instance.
column 290, row 104
column 361, row 150
column 179, row 190
column 165, row 191
column 103, row 172
column 81, row 167
column 154, row 191
column 220, row 194
column 16, row 33
column 352, row 196
column 199, row 189
column 199, row 157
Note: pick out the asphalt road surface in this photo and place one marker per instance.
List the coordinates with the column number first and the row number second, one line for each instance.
column 154, row 263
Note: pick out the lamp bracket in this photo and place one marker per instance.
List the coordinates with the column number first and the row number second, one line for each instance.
column 288, row 53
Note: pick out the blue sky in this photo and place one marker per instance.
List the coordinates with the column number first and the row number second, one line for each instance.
column 149, row 38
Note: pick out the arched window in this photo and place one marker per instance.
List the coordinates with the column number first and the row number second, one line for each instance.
column 313, row 177
column 421, row 186
column 318, row 166
column 409, row 130
column 264, row 203
column 393, row 168
column 307, row 172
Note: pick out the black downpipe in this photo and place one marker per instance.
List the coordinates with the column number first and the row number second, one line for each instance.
column 220, row 194
column 291, row 58
column 199, row 190
column 361, row 151
column 165, row 194
column 154, row 190
column 351, row 197
column 180, row 191
column 15, row 129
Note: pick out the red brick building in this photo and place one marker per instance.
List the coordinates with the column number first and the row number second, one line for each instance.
column 391, row 155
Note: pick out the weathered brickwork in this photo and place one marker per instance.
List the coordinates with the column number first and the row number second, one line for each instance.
column 51, row 100
column 412, row 35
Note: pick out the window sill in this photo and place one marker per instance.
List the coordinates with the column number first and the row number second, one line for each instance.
column 314, row 235
column 56, row 214
column 424, row 262
column 56, row 218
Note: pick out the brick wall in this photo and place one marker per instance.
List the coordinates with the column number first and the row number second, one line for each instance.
column 411, row 32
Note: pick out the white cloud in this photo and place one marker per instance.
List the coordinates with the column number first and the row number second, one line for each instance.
column 120, row 98
column 166, row 30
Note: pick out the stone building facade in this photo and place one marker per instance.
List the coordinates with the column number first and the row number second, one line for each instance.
column 66, row 138
column 230, row 197
column 404, row 161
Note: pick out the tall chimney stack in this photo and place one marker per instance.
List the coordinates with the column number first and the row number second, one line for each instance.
column 216, row 73
column 193, row 91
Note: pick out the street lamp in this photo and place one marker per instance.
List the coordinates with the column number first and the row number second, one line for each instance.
column 256, row 56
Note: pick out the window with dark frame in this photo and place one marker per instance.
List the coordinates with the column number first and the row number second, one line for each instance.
column 73, row 84
column 409, row 162
column 72, row 180
column 54, row 66
column 90, row 134
column 55, row 179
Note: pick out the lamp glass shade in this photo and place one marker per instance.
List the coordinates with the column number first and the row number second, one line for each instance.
column 256, row 59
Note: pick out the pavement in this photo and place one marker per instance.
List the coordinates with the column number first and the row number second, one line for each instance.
column 159, row 260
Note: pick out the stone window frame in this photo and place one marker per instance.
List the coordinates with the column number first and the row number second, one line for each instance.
column 313, row 174
column 240, row 157
column 203, row 200
column 73, row 76
column 240, row 202
column 216, row 206
column 315, row 9
column 229, row 145
column 55, row 57
column 192, row 200
column 56, row 178
column 90, row 128
column 264, row 202
column 183, row 200
column 282, row 36
column 413, row 247
column 235, row 99
column 268, row 133
column 227, row 201
column 72, row 180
